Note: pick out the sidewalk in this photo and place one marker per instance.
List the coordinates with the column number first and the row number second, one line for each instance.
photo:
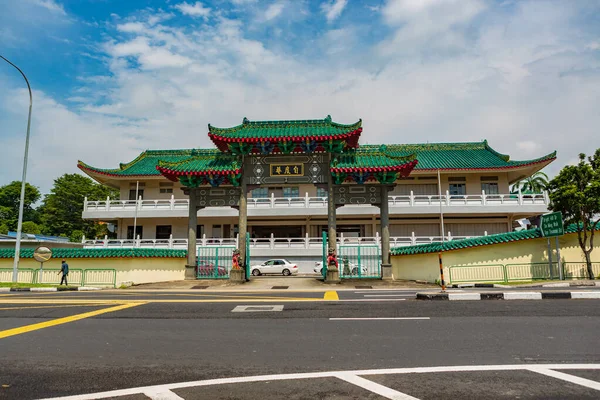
column 305, row 284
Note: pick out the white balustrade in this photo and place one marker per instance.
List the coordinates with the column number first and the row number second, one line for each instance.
column 411, row 200
column 301, row 243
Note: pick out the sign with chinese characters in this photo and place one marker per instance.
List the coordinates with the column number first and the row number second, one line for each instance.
column 287, row 169
column 552, row 225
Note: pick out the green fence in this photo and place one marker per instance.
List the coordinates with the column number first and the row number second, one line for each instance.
column 214, row 262
column 518, row 272
column 24, row 275
column 99, row 277
column 324, row 265
column 359, row 261
column 51, row 276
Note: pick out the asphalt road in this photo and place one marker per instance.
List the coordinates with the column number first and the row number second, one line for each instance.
column 156, row 342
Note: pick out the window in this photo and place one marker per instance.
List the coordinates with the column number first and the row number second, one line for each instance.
column 163, row 231
column 458, row 189
column 457, row 179
column 489, row 187
column 139, row 231
column 165, row 187
column 260, row 193
column 321, row 192
column 291, row 191
column 140, row 193
column 199, row 231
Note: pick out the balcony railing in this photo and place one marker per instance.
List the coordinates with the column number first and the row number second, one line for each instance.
column 301, row 243
column 308, row 202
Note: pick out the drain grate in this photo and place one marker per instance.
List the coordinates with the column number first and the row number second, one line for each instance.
column 199, row 287
column 257, row 308
column 364, row 287
column 280, row 287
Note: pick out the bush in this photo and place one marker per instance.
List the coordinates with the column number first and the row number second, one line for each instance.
column 76, row 236
column 31, row 228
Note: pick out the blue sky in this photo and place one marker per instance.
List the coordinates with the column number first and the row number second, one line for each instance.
column 112, row 78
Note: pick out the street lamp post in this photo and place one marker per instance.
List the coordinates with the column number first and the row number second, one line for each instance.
column 23, row 180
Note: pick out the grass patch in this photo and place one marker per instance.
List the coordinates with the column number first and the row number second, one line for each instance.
column 26, row 285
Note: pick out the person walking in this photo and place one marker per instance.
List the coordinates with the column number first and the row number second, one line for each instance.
column 64, row 269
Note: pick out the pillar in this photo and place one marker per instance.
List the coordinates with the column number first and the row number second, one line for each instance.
column 333, row 274
column 239, row 275
column 386, row 267
column 190, row 268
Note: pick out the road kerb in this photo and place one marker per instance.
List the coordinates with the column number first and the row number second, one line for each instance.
column 464, row 296
column 509, row 295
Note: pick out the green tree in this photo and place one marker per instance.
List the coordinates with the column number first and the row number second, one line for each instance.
column 575, row 191
column 10, row 198
column 76, row 236
column 63, row 206
column 536, row 183
column 31, row 227
column 3, row 229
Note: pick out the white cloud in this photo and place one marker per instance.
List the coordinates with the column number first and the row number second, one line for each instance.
column 51, row 5
column 333, row 9
column 274, row 10
column 528, row 82
column 193, row 10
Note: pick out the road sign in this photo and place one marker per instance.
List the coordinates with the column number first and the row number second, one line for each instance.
column 552, row 224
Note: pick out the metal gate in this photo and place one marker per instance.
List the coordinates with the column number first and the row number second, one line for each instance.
column 214, row 262
column 359, row 261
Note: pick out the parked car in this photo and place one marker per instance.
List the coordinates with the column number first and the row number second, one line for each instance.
column 275, row 266
column 353, row 268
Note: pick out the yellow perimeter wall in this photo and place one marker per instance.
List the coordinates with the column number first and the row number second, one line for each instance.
column 426, row 266
column 136, row 270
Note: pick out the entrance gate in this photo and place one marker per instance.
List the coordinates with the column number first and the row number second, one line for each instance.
column 214, row 262
column 356, row 261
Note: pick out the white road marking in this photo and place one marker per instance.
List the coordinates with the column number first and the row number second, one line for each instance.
column 377, row 319
column 374, row 387
column 162, row 395
column 522, row 296
column 364, row 300
column 386, row 291
column 257, row 308
column 390, row 295
column 330, row 374
column 566, row 377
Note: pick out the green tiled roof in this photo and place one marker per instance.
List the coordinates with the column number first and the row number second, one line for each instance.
column 145, row 164
column 474, row 242
column 68, row 253
column 201, row 164
column 468, row 155
column 368, row 157
column 467, row 243
column 281, row 129
column 445, row 156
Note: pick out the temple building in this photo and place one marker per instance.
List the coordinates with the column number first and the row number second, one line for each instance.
column 287, row 182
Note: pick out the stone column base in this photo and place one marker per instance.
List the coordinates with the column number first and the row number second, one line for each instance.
column 333, row 275
column 190, row 272
column 237, row 276
column 386, row 271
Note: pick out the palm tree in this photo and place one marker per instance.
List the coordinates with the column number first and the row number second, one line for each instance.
column 536, row 183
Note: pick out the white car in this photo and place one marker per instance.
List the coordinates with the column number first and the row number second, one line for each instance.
column 279, row 266
column 353, row 268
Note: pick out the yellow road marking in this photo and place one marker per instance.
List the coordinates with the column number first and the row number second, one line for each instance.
column 60, row 321
column 331, row 295
column 63, row 306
